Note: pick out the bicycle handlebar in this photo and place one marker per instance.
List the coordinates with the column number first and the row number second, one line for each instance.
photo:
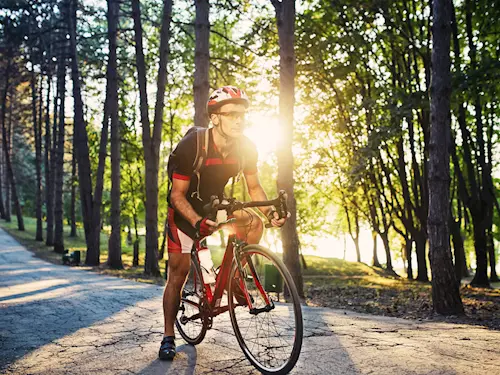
column 233, row 205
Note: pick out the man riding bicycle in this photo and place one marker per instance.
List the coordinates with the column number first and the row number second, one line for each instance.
column 227, row 153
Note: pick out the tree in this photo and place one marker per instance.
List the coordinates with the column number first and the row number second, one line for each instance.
column 82, row 149
column 445, row 294
column 59, row 155
column 114, row 246
column 8, row 72
column 285, row 19
column 38, row 149
column 151, row 142
column 201, row 63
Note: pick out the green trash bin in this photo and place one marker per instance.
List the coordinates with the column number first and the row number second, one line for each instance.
column 273, row 282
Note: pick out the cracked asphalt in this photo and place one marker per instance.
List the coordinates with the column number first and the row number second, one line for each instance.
column 61, row 320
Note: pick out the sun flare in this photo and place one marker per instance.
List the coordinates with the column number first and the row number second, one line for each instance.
column 265, row 131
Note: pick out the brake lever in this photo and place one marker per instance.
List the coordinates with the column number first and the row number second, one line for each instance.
column 281, row 205
column 211, row 208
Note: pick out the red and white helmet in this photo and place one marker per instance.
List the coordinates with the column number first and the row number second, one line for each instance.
column 225, row 95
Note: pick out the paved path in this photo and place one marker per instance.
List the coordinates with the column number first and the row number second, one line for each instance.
column 62, row 320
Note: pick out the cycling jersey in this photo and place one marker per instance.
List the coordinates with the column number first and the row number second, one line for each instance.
column 214, row 175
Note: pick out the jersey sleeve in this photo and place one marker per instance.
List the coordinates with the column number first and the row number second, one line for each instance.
column 185, row 153
column 251, row 156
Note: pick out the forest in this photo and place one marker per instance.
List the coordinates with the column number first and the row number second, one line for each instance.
column 379, row 118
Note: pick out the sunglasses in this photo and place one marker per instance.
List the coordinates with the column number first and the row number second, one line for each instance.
column 233, row 115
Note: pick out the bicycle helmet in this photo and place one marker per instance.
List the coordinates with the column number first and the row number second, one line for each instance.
column 225, row 95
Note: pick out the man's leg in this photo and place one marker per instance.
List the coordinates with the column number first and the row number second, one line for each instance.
column 249, row 226
column 178, row 269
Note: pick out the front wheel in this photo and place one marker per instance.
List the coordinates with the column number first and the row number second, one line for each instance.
column 268, row 327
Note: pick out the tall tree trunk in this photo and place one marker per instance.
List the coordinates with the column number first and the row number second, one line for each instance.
column 8, row 190
column 74, row 182
column 151, row 144
column 47, row 147
column 445, row 293
column 53, row 158
column 2, row 178
column 481, row 200
column 201, row 62
column 10, row 172
column 82, row 148
column 114, row 244
column 285, row 19
column 96, row 223
column 59, row 167
column 38, row 155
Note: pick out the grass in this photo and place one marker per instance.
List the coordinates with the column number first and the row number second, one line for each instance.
column 27, row 238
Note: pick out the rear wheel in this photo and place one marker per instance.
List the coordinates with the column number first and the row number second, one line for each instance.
column 270, row 333
column 192, row 320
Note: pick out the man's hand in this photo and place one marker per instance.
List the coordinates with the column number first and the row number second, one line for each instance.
column 275, row 220
column 205, row 227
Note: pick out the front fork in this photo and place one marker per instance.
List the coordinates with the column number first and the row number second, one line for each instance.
column 238, row 246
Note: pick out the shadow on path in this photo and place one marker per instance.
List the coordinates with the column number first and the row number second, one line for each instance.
column 39, row 308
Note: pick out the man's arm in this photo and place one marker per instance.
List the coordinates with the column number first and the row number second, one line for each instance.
column 180, row 203
column 257, row 193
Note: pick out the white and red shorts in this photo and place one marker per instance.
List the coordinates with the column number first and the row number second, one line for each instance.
column 178, row 241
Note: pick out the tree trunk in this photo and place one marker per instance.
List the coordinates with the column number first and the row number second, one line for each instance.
column 285, row 19
column 420, row 247
column 59, row 167
column 409, row 266
column 53, row 158
column 201, row 62
column 151, row 144
column 2, row 208
column 10, row 172
column 74, row 182
column 82, row 148
column 38, row 155
column 8, row 192
column 38, row 158
column 385, row 241
column 375, row 262
column 129, row 233
column 492, row 258
column 47, row 150
column 445, row 292
column 458, row 249
column 114, row 244
column 164, row 239
column 480, row 244
column 135, row 261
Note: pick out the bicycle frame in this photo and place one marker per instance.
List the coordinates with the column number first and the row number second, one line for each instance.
column 221, row 282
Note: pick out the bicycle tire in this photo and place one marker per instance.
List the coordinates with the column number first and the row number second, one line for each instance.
column 248, row 349
column 193, row 297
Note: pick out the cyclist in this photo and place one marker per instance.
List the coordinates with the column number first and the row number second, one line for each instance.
column 229, row 151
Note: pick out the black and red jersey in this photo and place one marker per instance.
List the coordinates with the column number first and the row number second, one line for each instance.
column 214, row 173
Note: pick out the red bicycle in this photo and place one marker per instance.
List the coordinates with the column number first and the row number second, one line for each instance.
column 262, row 299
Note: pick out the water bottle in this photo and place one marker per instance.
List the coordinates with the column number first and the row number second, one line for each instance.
column 207, row 266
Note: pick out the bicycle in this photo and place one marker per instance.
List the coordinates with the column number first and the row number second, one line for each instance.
column 267, row 326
